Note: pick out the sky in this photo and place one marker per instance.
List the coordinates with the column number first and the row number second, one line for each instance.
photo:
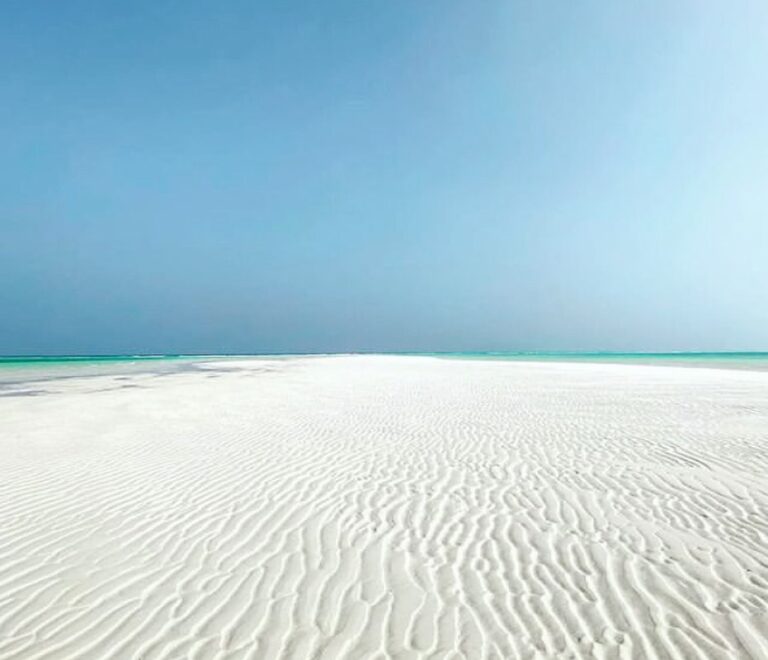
column 244, row 177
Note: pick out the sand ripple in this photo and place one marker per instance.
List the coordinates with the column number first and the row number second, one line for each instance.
column 377, row 507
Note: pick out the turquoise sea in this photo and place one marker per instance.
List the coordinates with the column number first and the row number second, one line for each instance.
column 15, row 369
column 23, row 368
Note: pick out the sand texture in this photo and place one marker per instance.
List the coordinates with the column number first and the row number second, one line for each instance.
column 386, row 507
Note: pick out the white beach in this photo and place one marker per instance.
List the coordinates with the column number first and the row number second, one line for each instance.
column 386, row 507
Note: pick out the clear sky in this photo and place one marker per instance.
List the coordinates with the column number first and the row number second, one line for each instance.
column 226, row 176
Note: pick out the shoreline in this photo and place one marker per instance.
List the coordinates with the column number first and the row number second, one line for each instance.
column 20, row 369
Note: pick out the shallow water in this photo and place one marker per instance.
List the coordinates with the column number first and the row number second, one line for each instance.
column 21, row 369
column 30, row 369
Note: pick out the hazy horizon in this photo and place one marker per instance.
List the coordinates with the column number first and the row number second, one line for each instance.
column 342, row 177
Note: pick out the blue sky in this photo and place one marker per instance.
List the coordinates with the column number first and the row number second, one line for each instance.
column 334, row 176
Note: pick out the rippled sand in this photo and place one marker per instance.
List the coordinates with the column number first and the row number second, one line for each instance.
column 376, row 507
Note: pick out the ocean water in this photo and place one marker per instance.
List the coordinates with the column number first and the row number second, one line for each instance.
column 22, row 369
column 16, row 369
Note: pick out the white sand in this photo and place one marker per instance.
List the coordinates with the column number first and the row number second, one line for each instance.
column 361, row 507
